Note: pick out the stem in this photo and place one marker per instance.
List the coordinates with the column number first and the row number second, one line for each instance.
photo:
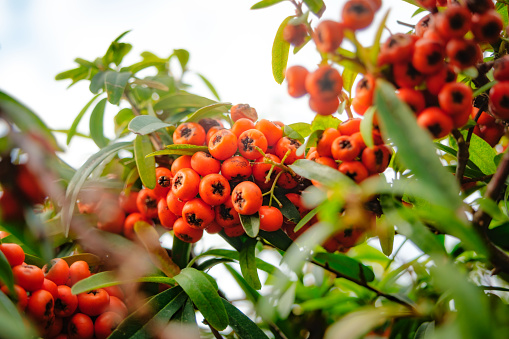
column 272, row 191
column 405, row 24
column 463, row 154
column 395, row 254
column 216, row 334
column 483, row 178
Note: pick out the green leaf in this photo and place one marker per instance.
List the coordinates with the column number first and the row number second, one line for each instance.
column 315, row 6
column 251, row 294
column 91, row 259
column 150, row 84
column 265, row 3
column 425, row 331
column 115, row 83
column 122, row 120
column 375, row 49
column 180, row 149
column 251, row 224
column 322, row 122
column 182, row 100
column 278, row 238
column 186, row 314
column 161, row 308
column 204, row 295
column 366, row 127
column 210, row 111
column 146, row 124
column 74, row 126
column 502, row 10
column 386, row 233
column 321, row 173
column 349, row 77
column 292, row 134
column 209, row 85
column 243, row 327
column 81, row 176
column 116, row 51
column 96, row 124
column 109, row 278
column 12, row 324
column 346, row 266
column 500, row 235
column 24, row 118
column 97, row 82
column 481, row 154
column 285, row 303
column 247, row 261
column 302, row 128
column 280, row 51
column 288, row 210
column 6, row 275
column 307, row 218
column 146, row 165
column 180, row 252
column 415, row 146
column 183, row 57
column 310, row 142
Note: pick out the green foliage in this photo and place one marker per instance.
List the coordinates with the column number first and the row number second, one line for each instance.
column 280, row 51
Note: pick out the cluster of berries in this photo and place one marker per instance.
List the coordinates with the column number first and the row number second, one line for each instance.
column 46, row 298
column 325, row 84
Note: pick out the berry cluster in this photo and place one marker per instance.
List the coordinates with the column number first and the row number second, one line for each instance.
column 46, row 298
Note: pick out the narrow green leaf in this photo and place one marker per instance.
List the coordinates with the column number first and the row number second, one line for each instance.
column 182, row 100
column 186, row 147
column 186, row 314
column 244, row 327
column 306, row 218
column 285, row 303
column 251, row 294
column 414, row 146
column 278, row 238
column 204, row 295
column 386, row 233
column 6, row 275
column 81, row 176
column 209, row 85
column 280, row 51
column 91, row 259
column 146, row 166
column 109, row 278
column 122, row 120
column 74, row 126
column 322, row 122
column 321, row 173
column 97, row 82
column 265, row 3
column 183, row 57
column 171, row 152
column 210, row 111
column 346, row 266
column 292, row 134
column 349, row 77
column 96, row 124
column 115, row 83
column 247, row 261
column 251, row 224
column 161, row 308
column 180, row 252
column 425, row 331
column 366, row 127
column 310, row 142
column 315, row 6
column 288, row 210
column 146, row 124
column 151, row 84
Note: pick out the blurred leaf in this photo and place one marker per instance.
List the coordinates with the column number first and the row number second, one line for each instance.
column 116, row 51
column 280, row 51
column 265, row 3
column 415, row 146
column 74, row 126
column 115, row 84
column 96, row 124
column 204, row 295
column 251, row 294
column 375, row 49
column 182, row 100
column 500, row 235
column 91, row 259
column 161, row 308
column 292, row 134
column 502, row 10
column 209, row 85
column 97, row 82
column 322, row 122
column 109, row 278
column 210, row 111
column 321, row 173
column 12, row 324
column 122, row 120
column 146, row 165
column 148, row 60
column 315, row 6
column 366, row 127
column 349, row 77
column 302, row 128
column 183, row 57
column 310, row 142
column 251, row 224
column 6, row 275
column 425, row 331
column 243, row 327
column 247, row 261
column 285, row 303
column 278, row 238
column 346, row 266
column 492, row 208
column 25, row 119
column 386, row 233
column 146, row 124
column 151, row 84
column 181, row 149
column 81, row 176
column 149, row 237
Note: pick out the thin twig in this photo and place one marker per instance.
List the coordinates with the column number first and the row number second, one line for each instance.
column 405, row 24
column 462, row 156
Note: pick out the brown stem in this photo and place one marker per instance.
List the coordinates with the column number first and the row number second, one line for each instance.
column 481, row 220
column 483, row 178
column 463, row 154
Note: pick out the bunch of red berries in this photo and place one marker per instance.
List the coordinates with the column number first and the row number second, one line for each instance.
column 46, row 298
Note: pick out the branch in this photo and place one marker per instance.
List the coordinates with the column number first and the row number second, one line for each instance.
column 463, row 154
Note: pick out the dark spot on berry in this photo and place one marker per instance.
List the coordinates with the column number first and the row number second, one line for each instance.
column 218, row 188
column 48, row 310
column 358, row 9
column 325, row 83
column 411, row 72
column 239, row 200
column 348, row 232
column 457, row 21
column 224, row 212
column 504, row 102
column 164, row 181
column 247, row 143
column 491, row 30
column 217, row 139
column 379, row 156
column 457, row 97
column 59, row 305
column 464, row 56
column 186, row 132
column 351, row 175
column 345, row 144
column 193, row 220
column 434, row 58
column 178, row 181
column 186, row 237
column 150, row 203
column 435, row 129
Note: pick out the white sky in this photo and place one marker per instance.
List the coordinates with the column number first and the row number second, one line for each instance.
column 229, row 43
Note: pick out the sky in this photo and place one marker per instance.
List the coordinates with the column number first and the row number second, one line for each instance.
column 229, row 43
